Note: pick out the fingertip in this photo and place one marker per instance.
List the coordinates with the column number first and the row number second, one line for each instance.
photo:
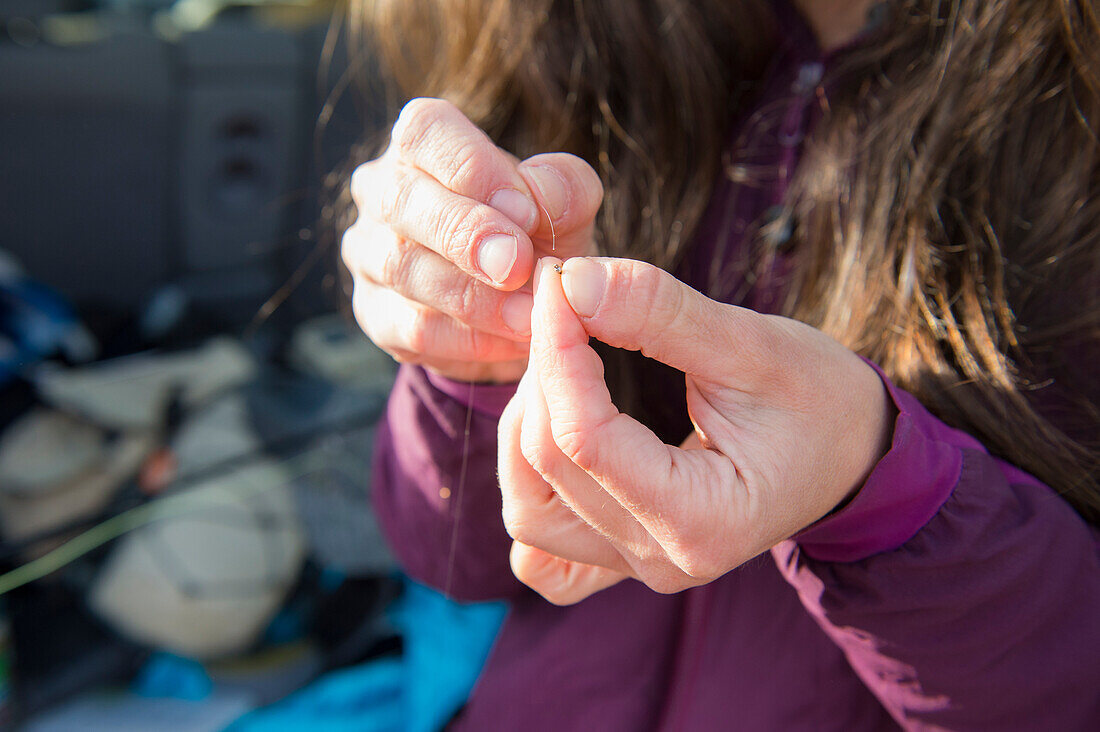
column 505, row 261
column 565, row 186
column 584, row 282
column 544, row 267
column 517, row 207
column 554, row 325
column 550, row 189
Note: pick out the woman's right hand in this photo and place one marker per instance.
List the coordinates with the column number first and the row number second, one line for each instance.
column 448, row 231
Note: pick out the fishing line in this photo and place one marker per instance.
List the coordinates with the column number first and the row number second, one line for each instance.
column 457, row 513
column 553, row 235
column 459, row 489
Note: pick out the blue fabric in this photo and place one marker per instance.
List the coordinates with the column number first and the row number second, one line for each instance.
column 35, row 322
column 446, row 644
column 166, row 675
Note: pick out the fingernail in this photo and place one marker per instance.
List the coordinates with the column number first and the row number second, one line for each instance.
column 584, row 282
column 540, row 267
column 552, row 189
column 516, row 312
column 496, row 255
column 516, row 206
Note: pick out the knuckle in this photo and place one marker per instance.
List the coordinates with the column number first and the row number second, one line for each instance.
column 645, row 281
column 360, row 308
column 484, row 346
column 475, row 344
column 348, row 242
column 418, row 122
column 533, row 451
column 418, row 335
column 698, row 567
column 529, row 577
column 519, row 527
column 466, row 169
column 393, row 270
column 512, row 516
column 662, row 578
column 465, row 157
column 694, row 557
column 668, row 299
column 574, row 445
column 465, row 298
column 458, row 227
column 393, row 200
column 669, row 307
column 541, row 456
column 362, row 179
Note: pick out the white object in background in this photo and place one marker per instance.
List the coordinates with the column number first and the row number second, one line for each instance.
column 131, row 392
column 333, row 348
column 55, row 469
column 205, row 583
column 43, row 447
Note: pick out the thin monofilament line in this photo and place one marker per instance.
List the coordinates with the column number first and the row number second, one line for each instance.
column 457, row 511
column 553, row 234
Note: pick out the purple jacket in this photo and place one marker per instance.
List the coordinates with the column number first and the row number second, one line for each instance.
column 955, row 591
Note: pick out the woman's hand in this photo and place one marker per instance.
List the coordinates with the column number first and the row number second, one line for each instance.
column 788, row 424
column 449, row 229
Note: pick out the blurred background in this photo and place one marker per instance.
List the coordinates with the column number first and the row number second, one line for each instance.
column 185, row 413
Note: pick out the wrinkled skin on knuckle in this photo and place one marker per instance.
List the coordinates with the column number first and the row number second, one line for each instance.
column 458, row 228
column 467, row 166
column 482, row 346
column 536, row 453
column 460, row 300
column 575, row 445
column 645, row 283
column 397, row 266
column 393, row 200
column 418, row 334
column 417, row 123
column 670, row 301
column 668, row 309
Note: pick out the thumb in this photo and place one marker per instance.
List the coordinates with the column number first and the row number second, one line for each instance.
column 569, row 193
column 633, row 305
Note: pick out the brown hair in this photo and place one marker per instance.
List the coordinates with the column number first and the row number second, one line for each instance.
column 946, row 207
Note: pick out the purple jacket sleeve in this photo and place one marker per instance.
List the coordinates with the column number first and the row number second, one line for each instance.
column 446, row 535
column 965, row 594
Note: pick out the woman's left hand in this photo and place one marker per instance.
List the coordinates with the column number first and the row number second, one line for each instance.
column 788, row 424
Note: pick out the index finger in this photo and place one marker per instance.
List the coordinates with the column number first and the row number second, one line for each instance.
column 644, row 475
column 588, row 428
column 435, row 137
column 547, row 195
